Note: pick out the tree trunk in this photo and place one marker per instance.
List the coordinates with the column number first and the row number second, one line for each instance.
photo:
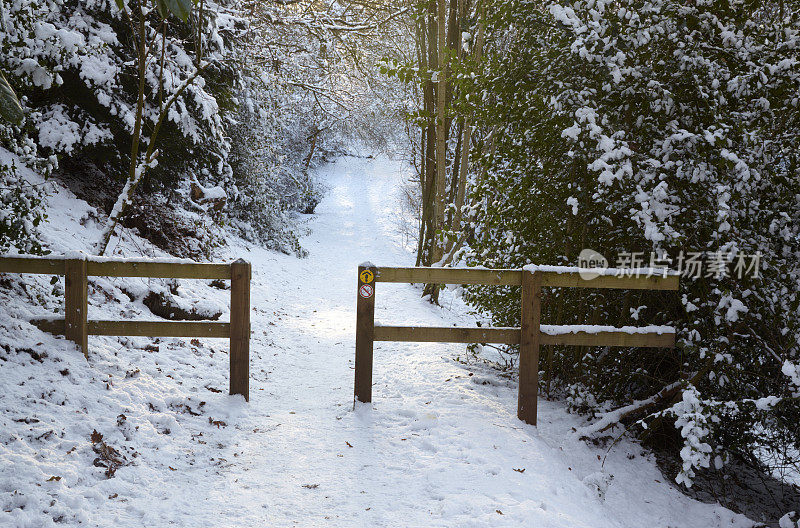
column 430, row 97
column 137, row 171
column 429, row 63
column 423, row 201
column 465, row 148
column 133, row 175
column 313, row 137
column 456, row 170
column 441, row 134
column 422, row 172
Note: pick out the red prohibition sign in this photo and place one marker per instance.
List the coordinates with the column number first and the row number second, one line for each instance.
column 366, row 291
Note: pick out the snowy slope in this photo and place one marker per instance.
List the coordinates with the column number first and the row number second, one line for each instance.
column 440, row 446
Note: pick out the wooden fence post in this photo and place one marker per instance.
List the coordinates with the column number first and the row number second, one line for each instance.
column 365, row 332
column 529, row 346
column 76, row 303
column 240, row 328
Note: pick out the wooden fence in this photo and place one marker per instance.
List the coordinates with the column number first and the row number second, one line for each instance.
column 529, row 337
column 77, row 328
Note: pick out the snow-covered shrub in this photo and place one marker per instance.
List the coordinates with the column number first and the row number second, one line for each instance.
column 21, row 201
column 274, row 144
column 580, row 399
column 790, row 520
column 74, row 65
column 793, row 371
column 267, row 87
column 20, row 211
column 649, row 126
column 692, row 423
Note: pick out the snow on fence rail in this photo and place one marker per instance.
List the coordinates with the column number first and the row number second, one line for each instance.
column 76, row 327
column 530, row 336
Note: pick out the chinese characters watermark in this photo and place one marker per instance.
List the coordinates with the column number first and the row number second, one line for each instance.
column 688, row 264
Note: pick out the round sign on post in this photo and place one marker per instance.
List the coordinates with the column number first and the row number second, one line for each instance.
column 365, row 332
column 366, row 291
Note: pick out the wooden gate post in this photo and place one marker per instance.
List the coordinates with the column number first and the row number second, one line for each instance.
column 76, row 303
column 529, row 346
column 365, row 332
column 240, row 328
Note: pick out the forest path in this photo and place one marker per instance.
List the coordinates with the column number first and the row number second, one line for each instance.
column 439, row 446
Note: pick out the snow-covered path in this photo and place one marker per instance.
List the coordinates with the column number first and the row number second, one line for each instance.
column 440, row 446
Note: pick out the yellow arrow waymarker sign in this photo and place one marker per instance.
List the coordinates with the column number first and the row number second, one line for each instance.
column 366, row 276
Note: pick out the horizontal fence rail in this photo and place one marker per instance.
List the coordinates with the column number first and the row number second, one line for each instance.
column 211, row 329
column 447, row 334
column 154, row 269
column 509, row 277
column 76, row 327
column 530, row 336
column 512, row 336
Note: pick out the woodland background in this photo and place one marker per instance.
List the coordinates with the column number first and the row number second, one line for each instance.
column 536, row 128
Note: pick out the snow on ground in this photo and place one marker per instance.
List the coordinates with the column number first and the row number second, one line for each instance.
column 439, row 446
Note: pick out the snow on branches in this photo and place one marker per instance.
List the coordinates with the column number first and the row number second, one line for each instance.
column 663, row 127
